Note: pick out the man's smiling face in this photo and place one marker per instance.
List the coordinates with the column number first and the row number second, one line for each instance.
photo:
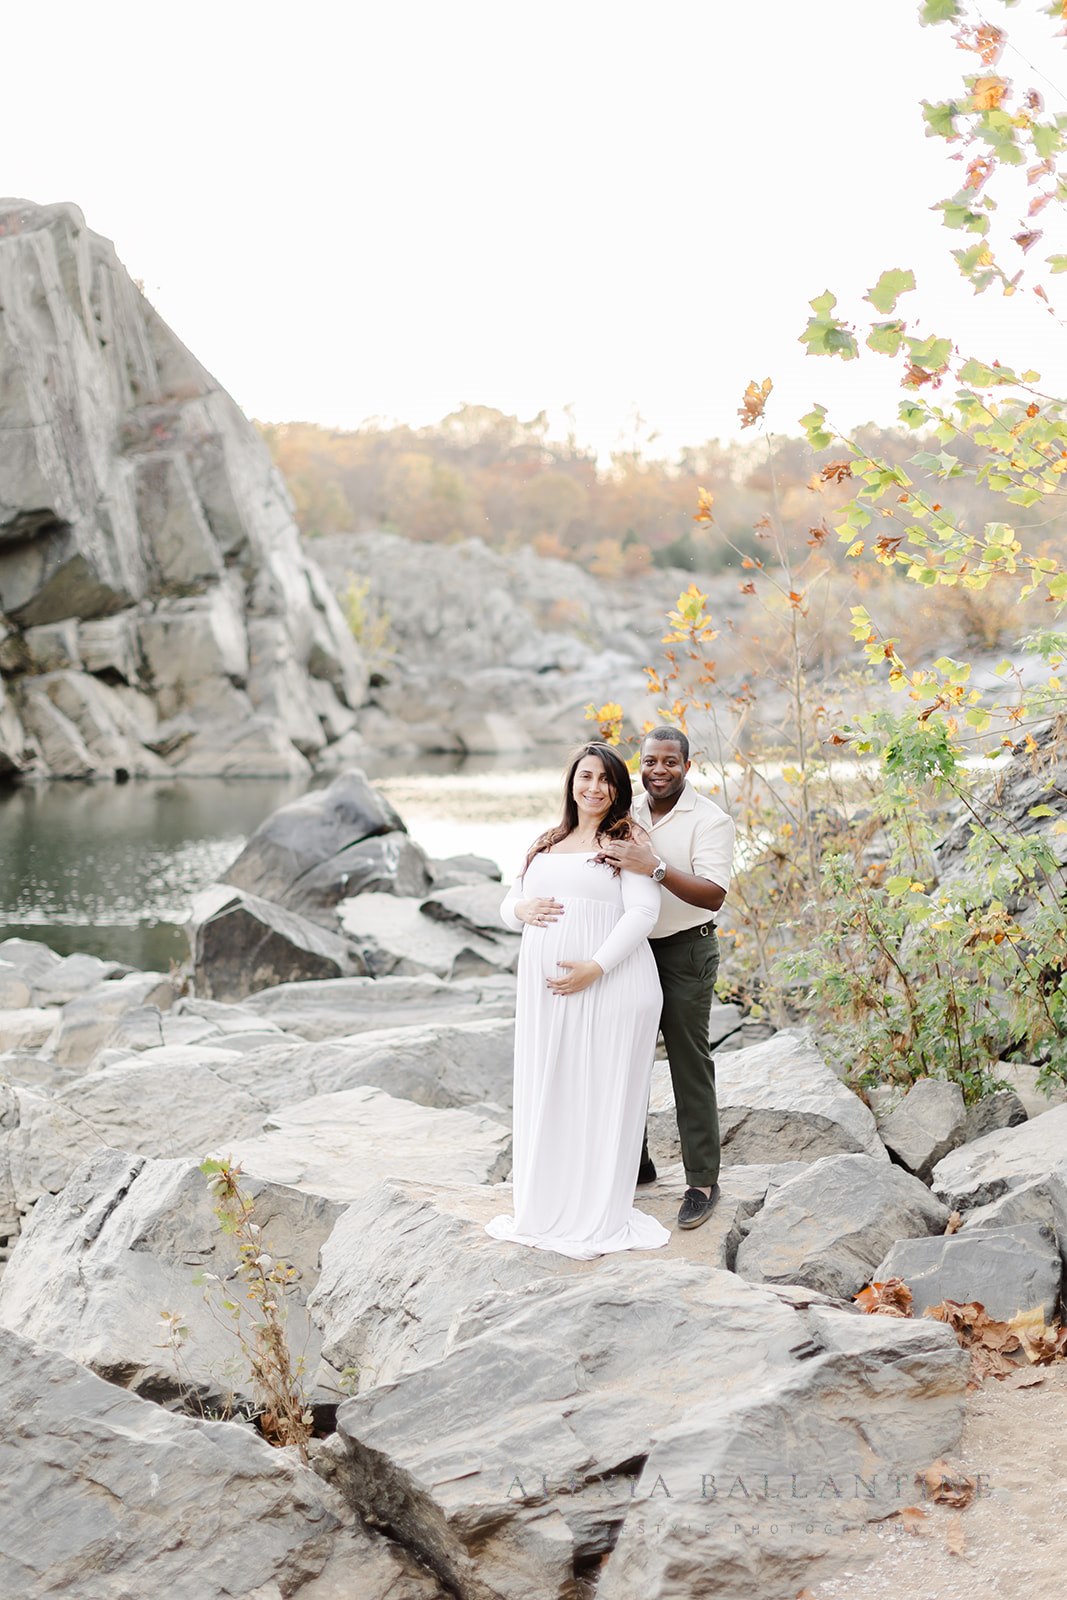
column 663, row 770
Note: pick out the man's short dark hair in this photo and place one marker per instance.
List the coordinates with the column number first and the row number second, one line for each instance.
column 674, row 735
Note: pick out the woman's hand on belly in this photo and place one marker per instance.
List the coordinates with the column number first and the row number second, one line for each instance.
column 580, row 974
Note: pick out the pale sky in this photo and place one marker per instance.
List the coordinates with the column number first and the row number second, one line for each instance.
column 386, row 209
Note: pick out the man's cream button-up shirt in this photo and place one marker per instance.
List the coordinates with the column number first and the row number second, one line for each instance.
column 695, row 836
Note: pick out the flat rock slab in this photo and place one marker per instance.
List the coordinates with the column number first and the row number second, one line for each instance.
column 1007, row 1270
column 167, row 1102
column 341, row 1145
column 341, row 1007
column 99, row 1264
column 404, row 1260
column 829, row 1227
column 930, row 1121
column 107, row 1496
column 1004, row 1159
column 398, row 938
column 778, row 1101
column 446, row 1065
column 514, row 1455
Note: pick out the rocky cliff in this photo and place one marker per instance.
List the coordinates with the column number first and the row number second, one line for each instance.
column 157, row 613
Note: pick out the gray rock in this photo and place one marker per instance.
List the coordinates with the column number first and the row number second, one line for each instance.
column 14, row 991
column 505, row 1499
column 340, row 1145
column 1005, row 1159
column 241, row 943
column 167, row 1102
column 1001, row 1109
column 778, row 1101
column 108, row 1496
column 398, row 939
column 830, row 1226
column 345, row 1006
column 100, row 1263
column 136, row 504
column 390, row 863
column 454, row 872
column 928, row 1123
column 28, row 1028
column 1029, row 1203
column 770, row 1480
column 474, row 907
column 71, row 976
column 312, row 835
column 82, row 1025
column 1007, row 1270
column 445, row 1065
column 401, row 1265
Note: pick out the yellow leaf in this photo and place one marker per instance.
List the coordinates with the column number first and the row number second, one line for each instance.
column 917, row 888
column 855, row 549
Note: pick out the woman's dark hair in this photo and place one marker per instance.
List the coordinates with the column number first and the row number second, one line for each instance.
column 616, row 822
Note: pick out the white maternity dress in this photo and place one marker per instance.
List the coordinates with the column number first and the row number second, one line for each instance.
column 583, row 1062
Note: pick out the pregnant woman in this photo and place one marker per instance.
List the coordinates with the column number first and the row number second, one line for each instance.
column 586, row 1019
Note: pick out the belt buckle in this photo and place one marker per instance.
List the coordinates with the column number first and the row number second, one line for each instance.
column 705, row 931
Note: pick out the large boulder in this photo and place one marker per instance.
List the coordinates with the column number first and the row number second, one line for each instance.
column 764, row 1487
column 511, row 1462
column 340, row 1145
column 778, row 1101
column 1007, row 1270
column 1005, row 1159
column 242, row 943
column 829, row 1227
column 398, row 938
column 100, row 1264
column 303, row 855
column 137, row 506
column 107, row 1496
column 930, row 1121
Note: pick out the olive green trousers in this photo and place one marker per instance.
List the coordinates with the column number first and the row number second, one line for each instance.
column 688, row 964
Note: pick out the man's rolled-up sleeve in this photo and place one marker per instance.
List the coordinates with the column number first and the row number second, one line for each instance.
column 713, row 850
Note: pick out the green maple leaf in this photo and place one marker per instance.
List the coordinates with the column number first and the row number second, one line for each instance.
column 890, row 286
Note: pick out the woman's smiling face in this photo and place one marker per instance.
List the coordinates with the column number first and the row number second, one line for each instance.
column 591, row 789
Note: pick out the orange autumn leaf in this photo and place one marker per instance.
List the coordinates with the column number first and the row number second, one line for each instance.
column 988, row 93
column 755, row 399
column 705, row 501
column 892, row 1298
column 913, row 1519
column 1027, row 238
column 836, row 471
column 947, row 1485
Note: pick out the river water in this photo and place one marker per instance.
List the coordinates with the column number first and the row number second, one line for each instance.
column 110, row 869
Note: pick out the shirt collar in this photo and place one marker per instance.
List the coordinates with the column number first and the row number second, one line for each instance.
column 685, row 802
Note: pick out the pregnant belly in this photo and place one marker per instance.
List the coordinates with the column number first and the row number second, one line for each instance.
column 577, row 936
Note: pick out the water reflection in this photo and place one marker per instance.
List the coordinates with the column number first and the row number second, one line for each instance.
column 110, row 868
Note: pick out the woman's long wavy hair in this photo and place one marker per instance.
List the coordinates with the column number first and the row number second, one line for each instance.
column 616, row 823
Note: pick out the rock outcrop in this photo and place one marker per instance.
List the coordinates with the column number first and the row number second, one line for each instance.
column 157, row 613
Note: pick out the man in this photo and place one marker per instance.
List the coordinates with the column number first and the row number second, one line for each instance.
column 690, row 854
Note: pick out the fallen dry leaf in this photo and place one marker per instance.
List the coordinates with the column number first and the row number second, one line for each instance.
column 892, row 1298
column 954, row 1536
column 1023, row 1378
column 946, row 1485
column 953, row 1223
column 912, row 1519
column 990, row 1343
column 836, row 471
